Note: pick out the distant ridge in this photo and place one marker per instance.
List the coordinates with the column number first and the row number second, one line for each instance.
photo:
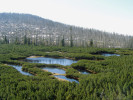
column 43, row 31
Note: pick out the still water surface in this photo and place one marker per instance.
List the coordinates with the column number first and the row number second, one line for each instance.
column 55, row 70
column 83, row 72
column 68, row 79
column 61, row 61
column 108, row 54
column 47, row 60
column 19, row 68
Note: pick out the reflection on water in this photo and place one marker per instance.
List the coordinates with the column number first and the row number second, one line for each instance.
column 108, row 54
column 19, row 68
column 46, row 60
column 64, row 77
column 59, row 71
column 61, row 61
column 54, row 70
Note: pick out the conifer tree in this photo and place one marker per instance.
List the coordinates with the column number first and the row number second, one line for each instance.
column 63, row 42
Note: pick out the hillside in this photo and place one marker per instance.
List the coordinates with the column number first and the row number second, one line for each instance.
column 15, row 27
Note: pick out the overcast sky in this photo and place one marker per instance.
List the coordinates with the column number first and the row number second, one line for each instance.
column 107, row 15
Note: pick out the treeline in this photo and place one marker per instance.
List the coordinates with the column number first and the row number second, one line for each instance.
column 36, row 41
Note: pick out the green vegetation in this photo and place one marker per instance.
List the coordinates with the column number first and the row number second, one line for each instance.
column 111, row 78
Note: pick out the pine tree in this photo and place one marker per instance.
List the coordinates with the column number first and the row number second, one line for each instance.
column 71, row 38
column 91, row 43
column 6, row 41
column 63, row 42
column 25, row 39
column 16, row 41
column 28, row 41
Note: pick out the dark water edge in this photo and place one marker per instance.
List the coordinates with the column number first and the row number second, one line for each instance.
column 83, row 72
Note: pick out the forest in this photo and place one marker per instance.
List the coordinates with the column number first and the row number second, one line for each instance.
column 14, row 27
column 110, row 78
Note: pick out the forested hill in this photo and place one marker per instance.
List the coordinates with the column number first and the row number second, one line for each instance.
column 26, row 28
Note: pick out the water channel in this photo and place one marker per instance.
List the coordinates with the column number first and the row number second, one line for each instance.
column 68, row 79
column 54, row 70
column 19, row 68
column 50, row 69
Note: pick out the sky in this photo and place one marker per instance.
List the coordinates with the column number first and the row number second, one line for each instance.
column 106, row 15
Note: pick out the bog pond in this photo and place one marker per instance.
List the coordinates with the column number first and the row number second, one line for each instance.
column 59, row 71
column 53, row 70
column 47, row 60
column 109, row 54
